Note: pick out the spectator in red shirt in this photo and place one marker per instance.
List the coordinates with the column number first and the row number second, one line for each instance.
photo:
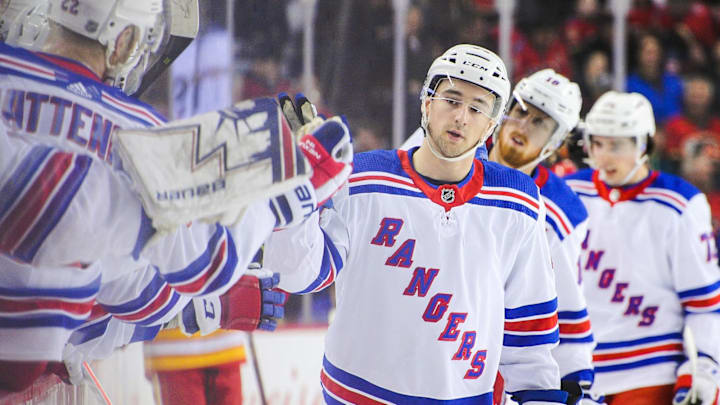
column 696, row 119
column 701, row 167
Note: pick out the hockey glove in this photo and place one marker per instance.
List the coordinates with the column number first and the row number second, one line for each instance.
column 325, row 143
column 577, row 385
column 248, row 305
column 700, row 388
column 540, row 397
column 294, row 206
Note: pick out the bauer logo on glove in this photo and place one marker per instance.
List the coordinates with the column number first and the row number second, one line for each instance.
column 204, row 166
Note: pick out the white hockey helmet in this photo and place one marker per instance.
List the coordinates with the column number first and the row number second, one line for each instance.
column 23, row 23
column 473, row 64
column 556, row 96
column 617, row 114
column 621, row 114
column 104, row 20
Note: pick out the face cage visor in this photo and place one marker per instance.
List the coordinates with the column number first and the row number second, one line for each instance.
column 177, row 27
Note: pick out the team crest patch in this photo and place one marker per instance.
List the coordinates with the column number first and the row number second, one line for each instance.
column 447, row 195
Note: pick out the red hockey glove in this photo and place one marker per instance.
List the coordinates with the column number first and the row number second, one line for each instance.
column 251, row 303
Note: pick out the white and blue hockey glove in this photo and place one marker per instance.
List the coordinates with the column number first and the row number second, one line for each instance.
column 251, row 303
column 697, row 387
column 294, row 206
column 326, row 144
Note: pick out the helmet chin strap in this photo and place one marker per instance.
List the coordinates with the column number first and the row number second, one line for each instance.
column 638, row 164
column 544, row 154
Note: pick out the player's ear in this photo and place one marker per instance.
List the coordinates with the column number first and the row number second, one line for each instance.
column 124, row 45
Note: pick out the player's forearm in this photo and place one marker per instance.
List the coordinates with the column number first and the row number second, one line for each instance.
column 297, row 254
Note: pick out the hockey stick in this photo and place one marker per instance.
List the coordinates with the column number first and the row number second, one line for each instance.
column 256, row 263
column 258, row 377
column 99, row 389
column 692, row 353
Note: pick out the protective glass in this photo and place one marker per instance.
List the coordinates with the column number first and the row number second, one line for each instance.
column 532, row 122
column 478, row 109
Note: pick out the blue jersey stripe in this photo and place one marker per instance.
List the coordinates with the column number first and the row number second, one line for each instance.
column 531, row 310
column 699, row 291
column 142, row 299
column 555, row 227
column 20, row 178
column 384, row 189
column 572, row 314
column 628, row 343
column 394, row 397
column 530, row 340
column 78, row 293
column 90, row 330
column 504, row 204
column 225, row 274
column 174, row 298
column 54, row 210
column 641, row 363
column 329, row 253
column 202, row 262
column 144, row 333
column 41, row 321
column 587, row 339
column 145, row 232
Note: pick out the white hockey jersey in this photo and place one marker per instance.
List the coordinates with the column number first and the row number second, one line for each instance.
column 61, row 212
column 566, row 225
column 437, row 286
column 648, row 268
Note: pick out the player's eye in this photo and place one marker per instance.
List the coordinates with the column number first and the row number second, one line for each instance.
column 453, row 101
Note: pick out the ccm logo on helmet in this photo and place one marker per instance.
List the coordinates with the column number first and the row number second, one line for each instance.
column 475, row 65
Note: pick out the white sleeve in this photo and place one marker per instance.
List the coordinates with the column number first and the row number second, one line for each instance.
column 140, row 294
column 204, row 259
column 574, row 353
column 531, row 326
column 59, row 208
column 309, row 256
column 696, row 276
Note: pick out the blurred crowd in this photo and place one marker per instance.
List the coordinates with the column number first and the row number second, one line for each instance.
column 673, row 58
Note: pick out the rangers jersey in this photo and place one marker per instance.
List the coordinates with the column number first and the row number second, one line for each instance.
column 566, row 224
column 437, row 286
column 54, row 201
column 648, row 268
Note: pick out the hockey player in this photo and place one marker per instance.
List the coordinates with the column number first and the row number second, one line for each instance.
column 545, row 109
column 648, row 265
column 54, row 200
column 441, row 262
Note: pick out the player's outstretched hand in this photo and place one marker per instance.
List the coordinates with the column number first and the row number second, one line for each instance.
column 326, row 144
column 251, row 303
column 704, row 383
